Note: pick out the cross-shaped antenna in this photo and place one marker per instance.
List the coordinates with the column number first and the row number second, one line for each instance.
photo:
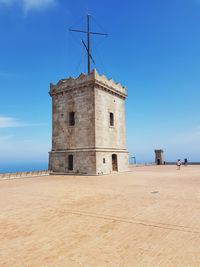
column 88, row 40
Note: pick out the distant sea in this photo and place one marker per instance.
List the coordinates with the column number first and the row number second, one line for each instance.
column 22, row 167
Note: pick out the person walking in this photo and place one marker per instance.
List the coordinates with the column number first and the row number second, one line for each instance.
column 178, row 164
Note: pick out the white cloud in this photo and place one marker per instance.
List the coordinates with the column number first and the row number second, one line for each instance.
column 29, row 5
column 37, row 4
column 9, row 122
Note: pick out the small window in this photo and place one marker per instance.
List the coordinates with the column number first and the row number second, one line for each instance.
column 111, row 119
column 71, row 118
column 70, row 163
column 104, row 160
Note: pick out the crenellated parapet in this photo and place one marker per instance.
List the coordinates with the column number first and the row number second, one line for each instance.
column 82, row 81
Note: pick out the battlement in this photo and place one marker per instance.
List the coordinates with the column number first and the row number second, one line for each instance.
column 84, row 80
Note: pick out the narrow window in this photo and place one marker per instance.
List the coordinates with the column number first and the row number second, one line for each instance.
column 104, row 160
column 111, row 119
column 71, row 118
column 70, row 163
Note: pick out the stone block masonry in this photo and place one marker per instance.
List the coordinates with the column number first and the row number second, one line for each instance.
column 159, row 158
column 88, row 126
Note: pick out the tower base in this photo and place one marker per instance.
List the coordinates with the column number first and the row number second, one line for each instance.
column 88, row 162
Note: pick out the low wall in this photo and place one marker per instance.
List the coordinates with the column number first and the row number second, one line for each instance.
column 189, row 163
column 17, row 175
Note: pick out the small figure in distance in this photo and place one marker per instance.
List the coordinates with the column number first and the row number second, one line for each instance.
column 185, row 162
column 178, row 164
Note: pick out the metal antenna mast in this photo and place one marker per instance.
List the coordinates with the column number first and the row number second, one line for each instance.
column 88, row 40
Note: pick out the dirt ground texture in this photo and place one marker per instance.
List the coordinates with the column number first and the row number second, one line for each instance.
column 147, row 217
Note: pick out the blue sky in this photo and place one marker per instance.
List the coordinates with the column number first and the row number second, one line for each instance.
column 153, row 48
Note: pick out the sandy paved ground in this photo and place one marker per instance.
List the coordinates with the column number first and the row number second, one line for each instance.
column 147, row 217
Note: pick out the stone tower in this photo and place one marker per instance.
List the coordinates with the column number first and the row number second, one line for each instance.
column 88, row 135
column 159, row 159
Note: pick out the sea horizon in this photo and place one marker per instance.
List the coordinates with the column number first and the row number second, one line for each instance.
column 7, row 167
column 22, row 167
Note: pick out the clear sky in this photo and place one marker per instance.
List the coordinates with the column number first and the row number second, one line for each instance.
column 153, row 48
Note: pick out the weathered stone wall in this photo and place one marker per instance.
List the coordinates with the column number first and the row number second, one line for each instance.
column 81, row 135
column 106, row 168
column 110, row 139
column 123, row 162
column 57, row 162
column 159, row 159
column 107, row 136
column 84, row 162
column 91, row 139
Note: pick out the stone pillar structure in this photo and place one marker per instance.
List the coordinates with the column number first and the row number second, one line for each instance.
column 88, row 126
column 159, row 159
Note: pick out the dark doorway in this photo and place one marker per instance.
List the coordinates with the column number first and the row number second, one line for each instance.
column 70, row 163
column 158, row 161
column 114, row 162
